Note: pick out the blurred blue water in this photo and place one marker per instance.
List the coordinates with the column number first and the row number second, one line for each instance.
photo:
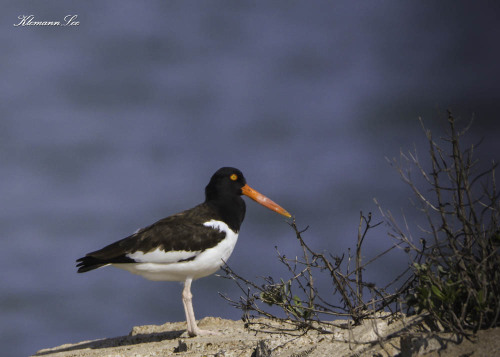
column 111, row 125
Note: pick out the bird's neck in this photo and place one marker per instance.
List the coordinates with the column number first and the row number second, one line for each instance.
column 230, row 209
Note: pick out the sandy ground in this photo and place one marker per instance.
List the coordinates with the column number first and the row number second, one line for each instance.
column 373, row 338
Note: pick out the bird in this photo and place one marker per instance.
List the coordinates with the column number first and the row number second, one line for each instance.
column 188, row 245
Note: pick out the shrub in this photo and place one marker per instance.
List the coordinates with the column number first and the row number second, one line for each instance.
column 457, row 263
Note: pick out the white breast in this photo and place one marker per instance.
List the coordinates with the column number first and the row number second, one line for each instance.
column 223, row 250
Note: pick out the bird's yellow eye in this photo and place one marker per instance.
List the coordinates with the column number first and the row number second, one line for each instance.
column 233, row 177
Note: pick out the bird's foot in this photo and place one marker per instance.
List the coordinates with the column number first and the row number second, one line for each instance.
column 200, row 332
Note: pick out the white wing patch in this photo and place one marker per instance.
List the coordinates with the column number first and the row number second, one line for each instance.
column 160, row 256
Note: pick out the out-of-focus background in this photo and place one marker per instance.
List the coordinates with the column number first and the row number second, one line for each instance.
column 108, row 126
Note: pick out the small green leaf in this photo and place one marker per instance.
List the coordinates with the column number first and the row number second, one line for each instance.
column 296, row 301
column 437, row 292
column 480, row 296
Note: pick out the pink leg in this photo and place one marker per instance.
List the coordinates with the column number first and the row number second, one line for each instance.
column 187, row 300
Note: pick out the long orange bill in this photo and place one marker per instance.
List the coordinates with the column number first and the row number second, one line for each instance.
column 264, row 201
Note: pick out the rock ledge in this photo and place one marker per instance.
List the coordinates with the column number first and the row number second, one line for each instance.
column 378, row 337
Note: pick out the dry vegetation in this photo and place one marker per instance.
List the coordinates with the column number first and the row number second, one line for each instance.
column 453, row 271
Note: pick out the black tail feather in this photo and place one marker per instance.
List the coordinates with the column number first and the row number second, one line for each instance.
column 89, row 262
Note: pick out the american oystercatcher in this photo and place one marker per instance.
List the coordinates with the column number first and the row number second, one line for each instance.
column 188, row 245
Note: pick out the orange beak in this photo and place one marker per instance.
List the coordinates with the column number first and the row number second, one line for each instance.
column 264, row 201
